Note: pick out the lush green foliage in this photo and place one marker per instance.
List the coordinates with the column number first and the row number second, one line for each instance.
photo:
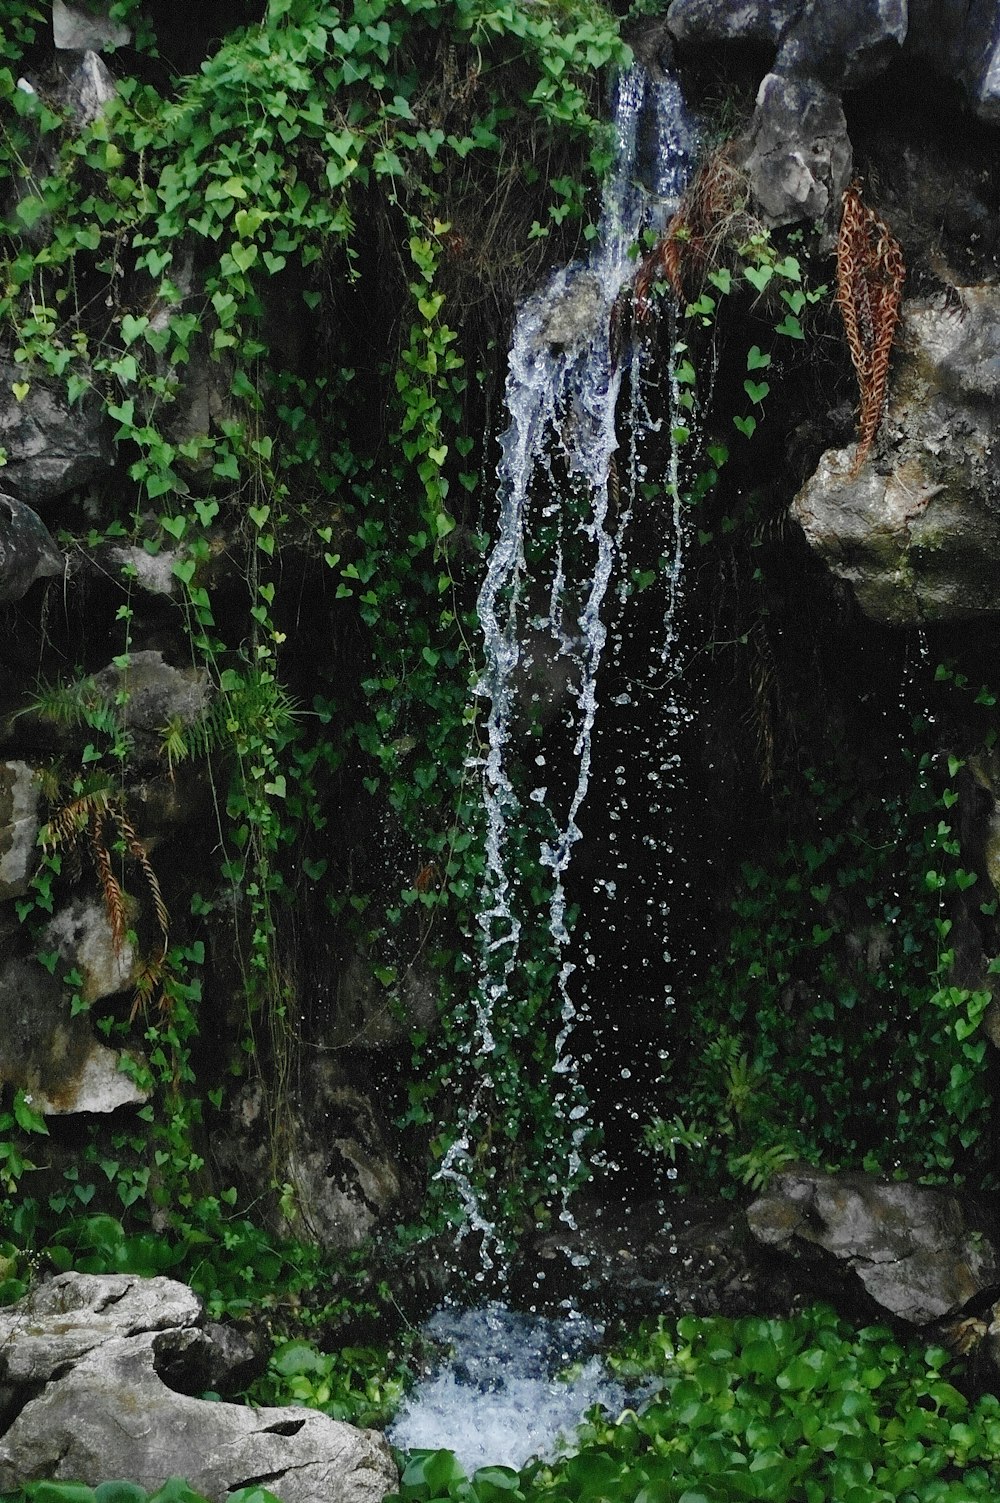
column 800, row 1411
column 833, row 1029
column 291, row 227
column 174, row 1490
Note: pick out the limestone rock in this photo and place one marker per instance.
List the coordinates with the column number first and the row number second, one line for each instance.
column 153, row 695
column 105, row 1411
column 52, row 1055
column 62, row 1320
column 704, row 22
column 81, row 933
column 843, row 42
column 18, row 828
column 916, row 532
column 962, row 42
column 799, row 160
column 82, row 29
column 52, row 448
column 908, row 1246
column 88, row 90
column 27, row 552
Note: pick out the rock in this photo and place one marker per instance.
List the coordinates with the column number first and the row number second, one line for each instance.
column 962, row 42
column 105, row 1411
column 917, row 535
column 336, row 1157
column 907, row 1246
column 574, row 311
column 152, row 695
column 52, row 448
column 27, row 552
column 75, row 29
column 19, row 826
column 708, row 22
column 82, row 935
column 64, row 1319
column 88, row 90
column 52, row 1055
column 843, row 42
column 799, row 159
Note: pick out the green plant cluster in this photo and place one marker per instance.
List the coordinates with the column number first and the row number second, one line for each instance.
column 174, row 1490
column 832, row 1027
column 778, row 1411
column 361, row 1385
column 334, row 169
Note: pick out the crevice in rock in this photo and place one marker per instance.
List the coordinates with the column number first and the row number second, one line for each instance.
column 284, row 1427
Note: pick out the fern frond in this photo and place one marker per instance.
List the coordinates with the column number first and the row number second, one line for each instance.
column 77, row 704
column 870, row 276
column 138, row 850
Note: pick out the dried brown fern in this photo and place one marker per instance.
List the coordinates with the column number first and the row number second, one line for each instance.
column 86, row 816
column 711, row 213
column 870, row 275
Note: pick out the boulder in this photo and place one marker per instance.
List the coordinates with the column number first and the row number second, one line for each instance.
column 908, row 1247
column 961, row 41
column 843, row 42
column 799, row 157
column 916, row 531
column 27, row 552
column 52, row 1054
column 708, row 22
column 88, row 90
column 87, row 28
column 81, row 933
column 52, row 447
column 152, row 696
column 19, row 824
column 96, row 1344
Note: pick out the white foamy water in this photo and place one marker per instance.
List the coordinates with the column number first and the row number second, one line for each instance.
column 497, row 1400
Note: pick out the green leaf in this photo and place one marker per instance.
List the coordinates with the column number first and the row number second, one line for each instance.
column 758, row 276
column 756, row 360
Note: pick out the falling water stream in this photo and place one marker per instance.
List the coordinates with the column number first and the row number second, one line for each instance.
column 564, row 474
column 557, row 470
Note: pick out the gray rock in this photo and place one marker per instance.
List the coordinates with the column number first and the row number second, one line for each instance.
column 81, row 933
column 843, row 42
column 64, row 1319
column 799, row 159
column 917, row 534
column 705, row 22
column 52, row 448
column 19, row 824
column 908, row 1246
column 961, row 41
column 151, row 695
column 27, row 552
column 75, row 29
column 574, row 313
column 336, row 1157
column 52, row 1055
column 106, row 1412
column 88, row 90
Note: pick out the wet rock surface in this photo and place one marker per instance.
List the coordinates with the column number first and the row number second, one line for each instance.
column 95, row 1345
column 27, row 552
column 908, row 1247
column 916, row 531
column 799, row 160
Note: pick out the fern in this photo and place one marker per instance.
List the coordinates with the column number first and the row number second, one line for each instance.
column 80, row 704
column 870, row 275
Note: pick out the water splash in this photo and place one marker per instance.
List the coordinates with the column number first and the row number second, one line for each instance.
column 505, row 1392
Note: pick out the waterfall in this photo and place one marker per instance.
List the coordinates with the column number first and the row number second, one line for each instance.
column 557, row 470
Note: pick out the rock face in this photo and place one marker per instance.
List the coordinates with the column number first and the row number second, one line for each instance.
column 27, row 552
column 96, row 1343
column 51, row 447
column 849, row 42
column 53, row 1055
column 800, row 156
column 916, row 532
column 907, row 1246
column 18, row 828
